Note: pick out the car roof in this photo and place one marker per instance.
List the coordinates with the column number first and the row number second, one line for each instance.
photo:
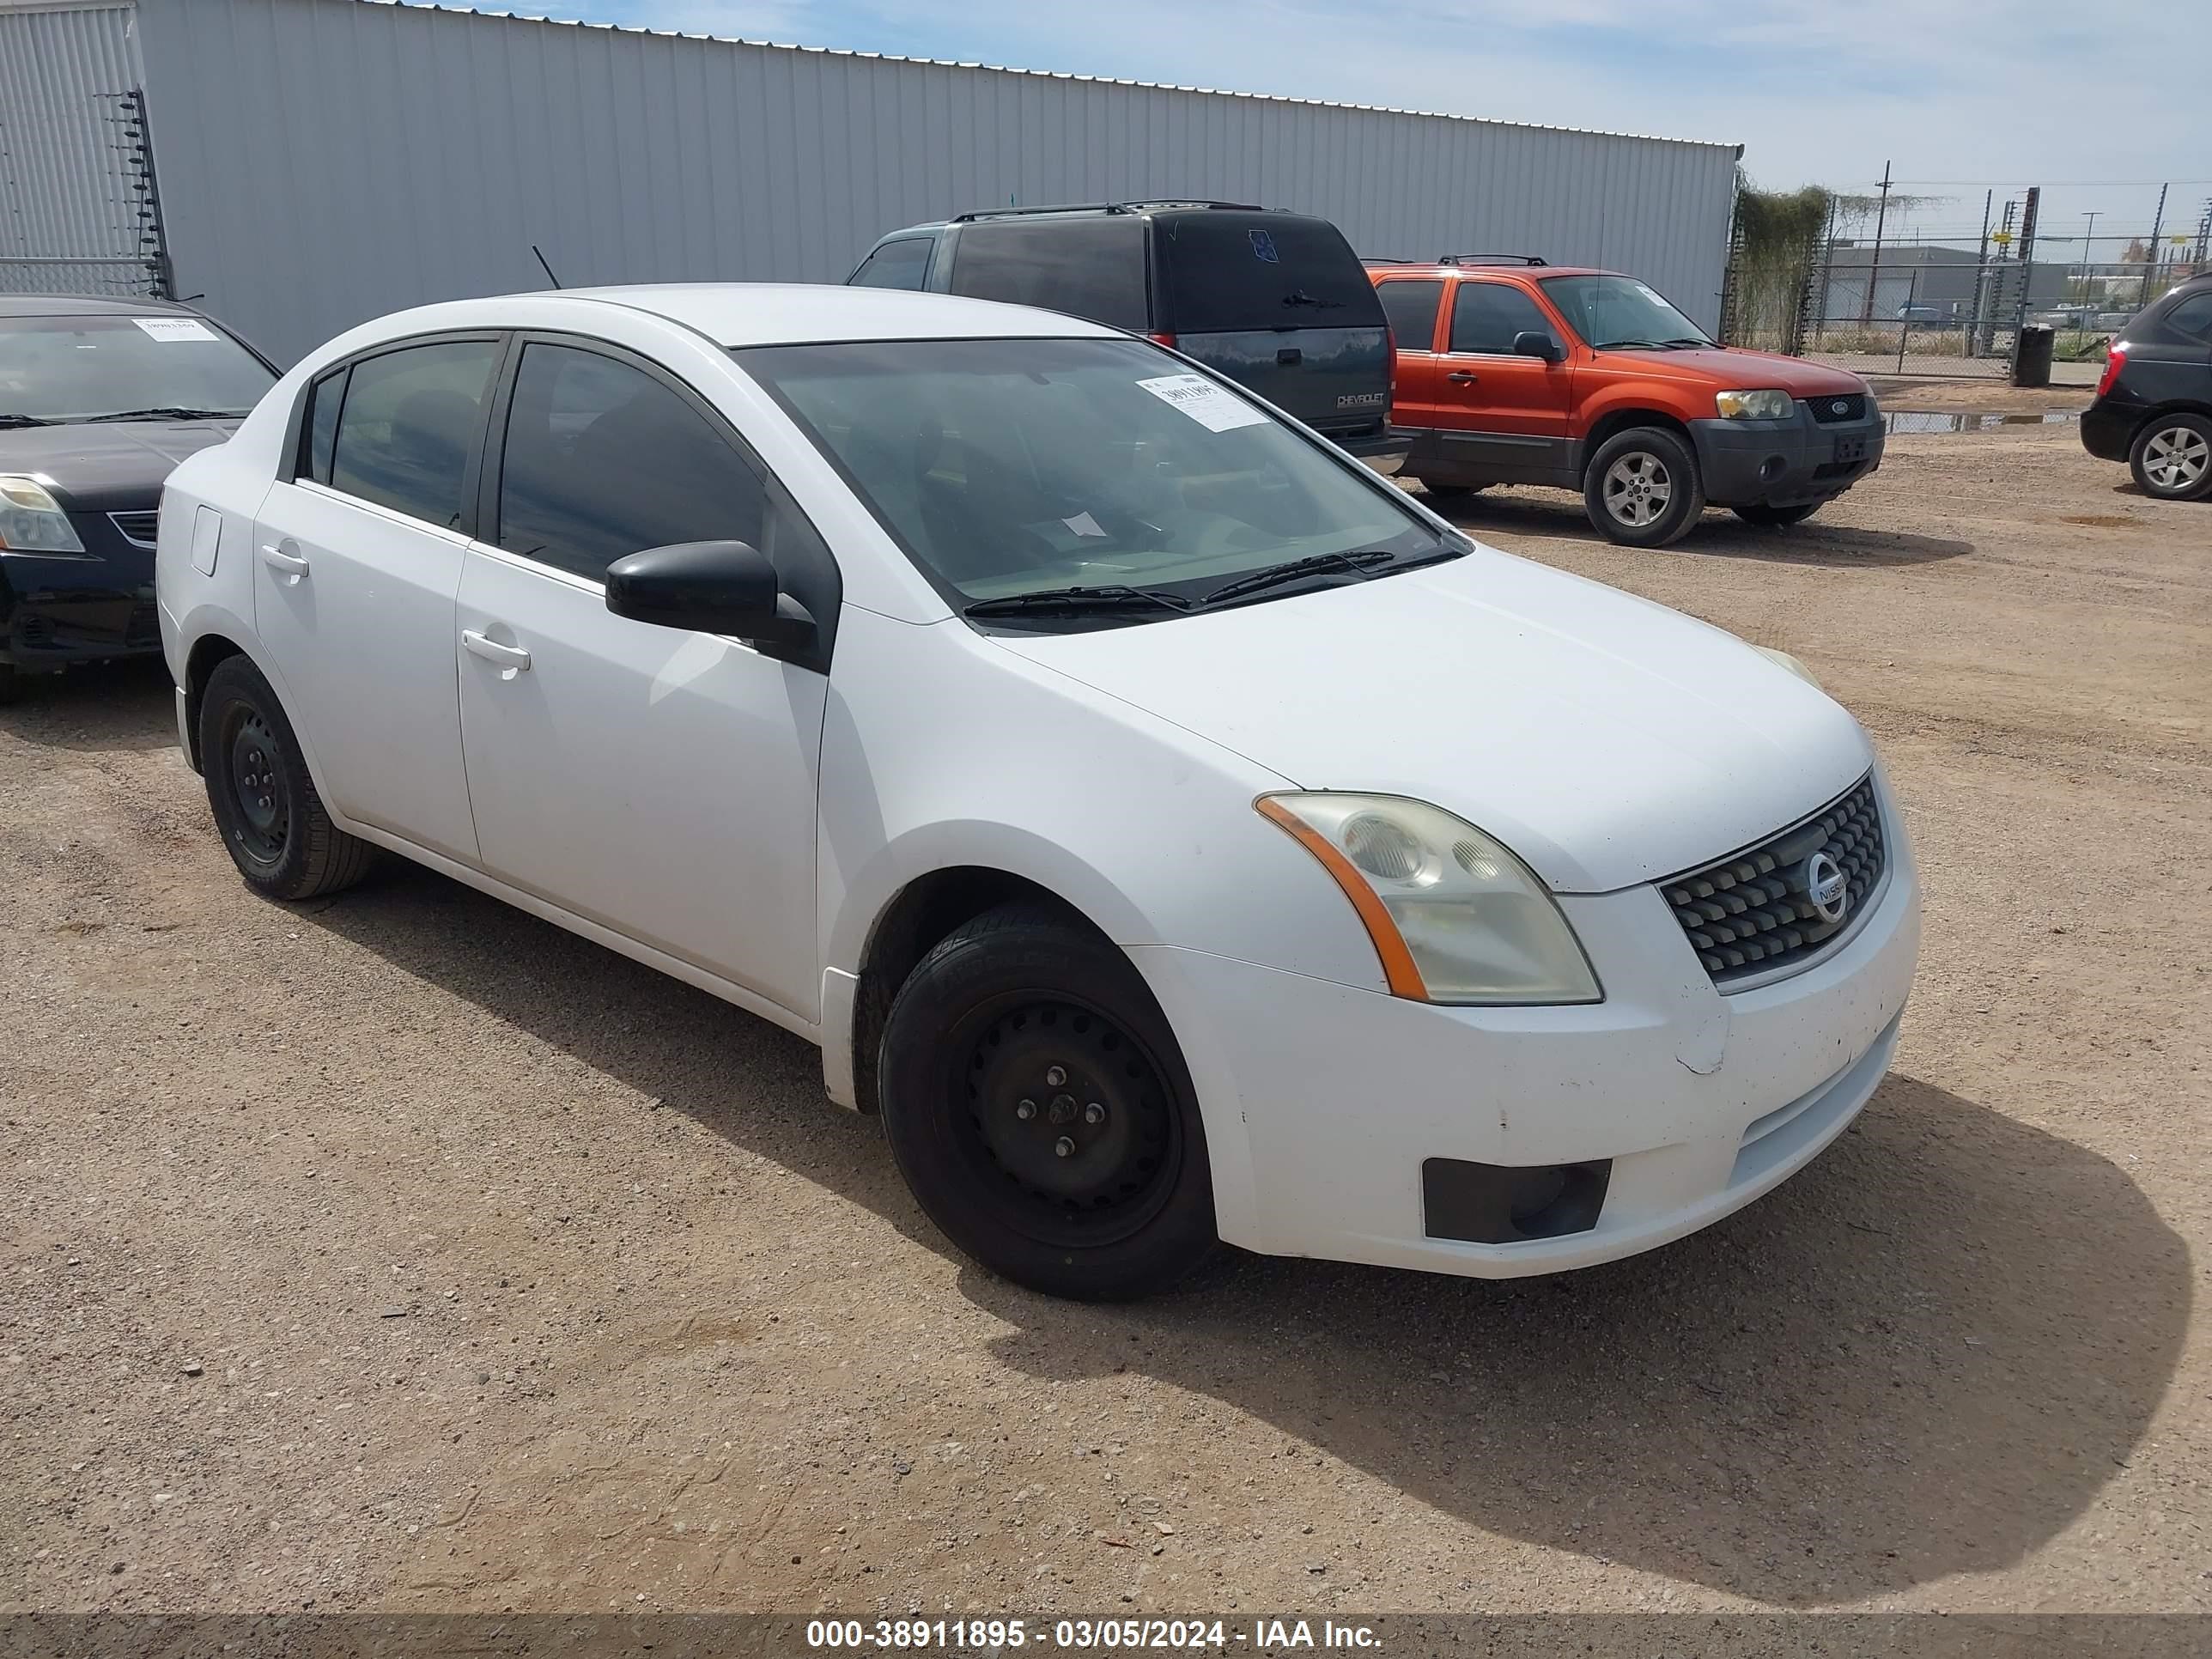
column 84, row 305
column 793, row 314
column 1438, row 267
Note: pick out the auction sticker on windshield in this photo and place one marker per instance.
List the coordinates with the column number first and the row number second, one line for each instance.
column 175, row 328
column 1212, row 407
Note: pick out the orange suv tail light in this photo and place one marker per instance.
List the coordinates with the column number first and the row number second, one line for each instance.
column 2116, row 359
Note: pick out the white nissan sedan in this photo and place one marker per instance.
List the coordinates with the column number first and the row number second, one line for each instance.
column 1172, row 829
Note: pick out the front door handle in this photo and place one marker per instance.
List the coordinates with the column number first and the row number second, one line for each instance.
column 1461, row 377
column 284, row 563
column 507, row 656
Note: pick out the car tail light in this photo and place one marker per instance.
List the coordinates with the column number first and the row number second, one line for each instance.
column 1160, row 336
column 2116, row 359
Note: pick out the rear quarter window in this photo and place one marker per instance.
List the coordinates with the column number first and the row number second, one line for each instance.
column 2187, row 322
column 1225, row 273
column 1085, row 267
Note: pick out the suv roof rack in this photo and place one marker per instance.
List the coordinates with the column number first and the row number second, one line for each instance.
column 1491, row 259
column 1100, row 207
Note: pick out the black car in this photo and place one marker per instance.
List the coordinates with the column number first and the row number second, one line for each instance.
column 2154, row 407
column 1275, row 302
column 99, row 399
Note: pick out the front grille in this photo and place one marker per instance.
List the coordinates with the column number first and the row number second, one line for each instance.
column 144, row 628
column 1851, row 406
column 1752, row 914
column 137, row 527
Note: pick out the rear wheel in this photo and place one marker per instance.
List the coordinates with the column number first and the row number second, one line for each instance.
column 264, row 803
column 1039, row 1108
column 1642, row 487
column 2171, row 458
column 1778, row 515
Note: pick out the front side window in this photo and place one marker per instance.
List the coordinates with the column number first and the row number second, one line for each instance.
column 1086, row 267
column 1615, row 312
column 1007, row 468
column 107, row 368
column 408, row 424
column 603, row 460
column 1486, row 316
column 894, row 264
column 1411, row 304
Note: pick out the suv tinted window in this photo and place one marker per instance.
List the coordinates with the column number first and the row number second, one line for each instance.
column 903, row 264
column 408, row 424
column 603, row 459
column 1090, row 267
column 1411, row 305
column 1229, row 272
column 1486, row 316
column 2188, row 324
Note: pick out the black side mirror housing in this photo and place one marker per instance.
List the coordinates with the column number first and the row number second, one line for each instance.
column 710, row 587
column 1535, row 343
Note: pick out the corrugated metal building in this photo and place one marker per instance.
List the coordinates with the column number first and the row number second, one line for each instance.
column 320, row 162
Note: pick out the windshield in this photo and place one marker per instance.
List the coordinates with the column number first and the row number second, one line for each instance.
column 75, row 369
column 1620, row 311
column 1025, row 467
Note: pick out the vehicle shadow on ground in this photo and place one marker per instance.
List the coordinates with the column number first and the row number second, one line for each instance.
column 105, row 707
column 1924, row 1355
column 1718, row 533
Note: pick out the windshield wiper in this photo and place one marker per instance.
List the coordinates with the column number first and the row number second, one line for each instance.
column 166, row 412
column 1688, row 344
column 1633, row 345
column 1112, row 596
column 10, row 421
column 1275, row 575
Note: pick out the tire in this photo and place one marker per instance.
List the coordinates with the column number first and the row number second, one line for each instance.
column 1774, row 516
column 11, row 684
column 1449, row 493
column 1670, row 500
column 264, row 803
column 1000, row 1047
column 2171, row 458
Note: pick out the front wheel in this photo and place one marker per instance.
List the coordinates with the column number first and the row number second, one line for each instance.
column 1040, row 1110
column 1773, row 516
column 272, row 821
column 2171, row 458
column 1642, row 487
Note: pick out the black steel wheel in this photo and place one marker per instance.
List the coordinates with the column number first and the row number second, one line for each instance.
column 1038, row 1107
column 263, row 797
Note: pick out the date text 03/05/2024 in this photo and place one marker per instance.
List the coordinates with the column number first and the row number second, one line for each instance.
column 1001, row 1635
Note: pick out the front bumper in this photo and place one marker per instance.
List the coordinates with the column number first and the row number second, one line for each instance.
column 1785, row 463
column 1699, row 1103
column 62, row 608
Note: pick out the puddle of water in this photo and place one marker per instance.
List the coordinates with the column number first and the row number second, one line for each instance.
column 1900, row 421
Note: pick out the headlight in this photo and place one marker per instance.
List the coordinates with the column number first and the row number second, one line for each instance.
column 1754, row 405
column 31, row 521
column 1454, row 915
column 1783, row 659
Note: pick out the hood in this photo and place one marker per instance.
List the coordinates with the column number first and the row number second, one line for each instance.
column 1607, row 740
column 1725, row 368
column 111, row 465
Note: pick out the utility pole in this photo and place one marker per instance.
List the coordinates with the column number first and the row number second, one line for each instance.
column 2150, row 266
column 1873, row 268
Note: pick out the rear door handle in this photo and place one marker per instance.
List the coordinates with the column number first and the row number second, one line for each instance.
column 1461, row 377
column 284, row 563
column 507, row 656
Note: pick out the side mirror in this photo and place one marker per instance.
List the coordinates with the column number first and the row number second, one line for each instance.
column 1535, row 343
column 711, row 587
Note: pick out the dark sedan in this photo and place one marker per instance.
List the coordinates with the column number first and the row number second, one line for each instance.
column 99, row 399
column 2154, row 406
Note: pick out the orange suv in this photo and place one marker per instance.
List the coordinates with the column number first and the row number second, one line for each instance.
column 1512, row 371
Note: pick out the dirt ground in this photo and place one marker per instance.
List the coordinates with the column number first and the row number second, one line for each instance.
column 402, row 1251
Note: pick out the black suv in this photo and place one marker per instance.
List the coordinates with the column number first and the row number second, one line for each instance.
column 1275, row 302
column 2154, row 408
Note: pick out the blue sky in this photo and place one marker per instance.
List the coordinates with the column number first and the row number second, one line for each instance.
column 1959, row 94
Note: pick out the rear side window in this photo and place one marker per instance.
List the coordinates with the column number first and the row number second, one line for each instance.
column 894, row 264
column 1412, row 308
column 409, row 424
column 603, row 460
column 1231, row 272
column 1086, row 267
column 319, row 433
column 1486, row 316
column 2188, row 324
